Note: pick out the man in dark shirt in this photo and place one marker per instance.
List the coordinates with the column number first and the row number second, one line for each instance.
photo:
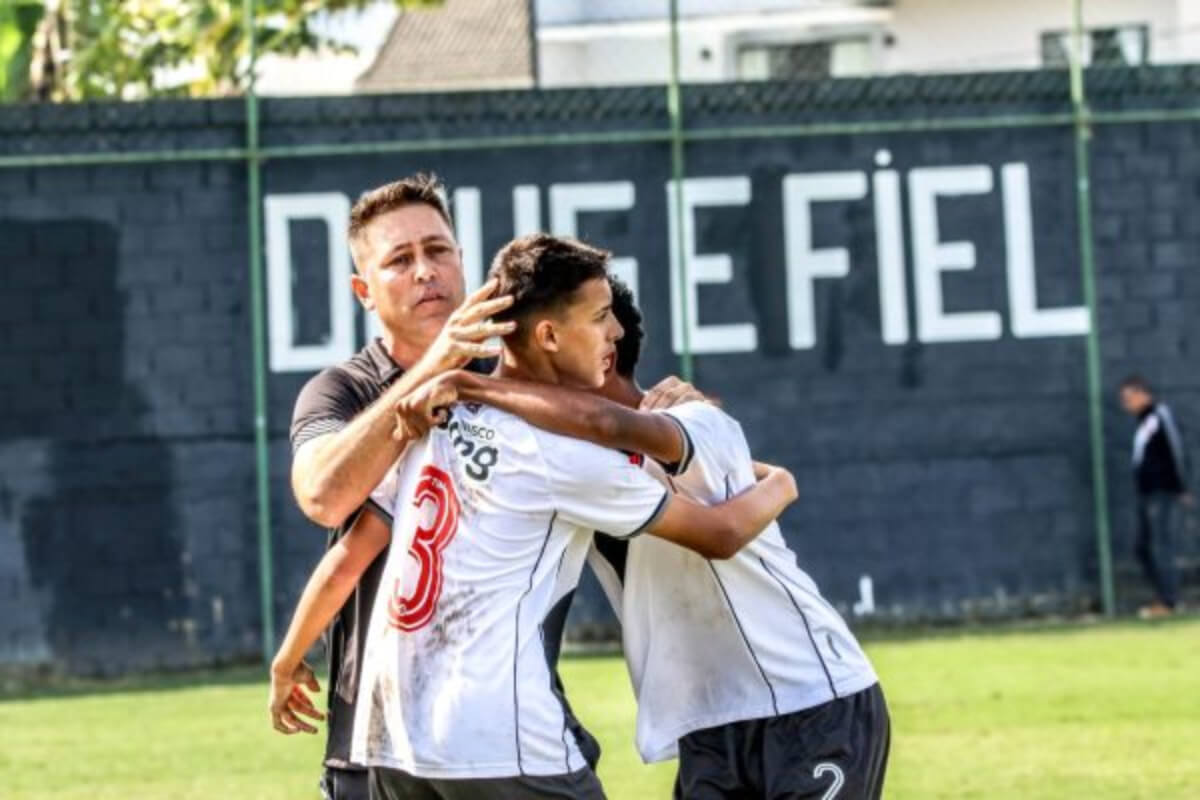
column 408, row 272
column 1160, row 472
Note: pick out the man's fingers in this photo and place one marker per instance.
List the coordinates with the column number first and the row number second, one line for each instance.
column 471, row 350
column 482, row 331
column 468, row 313
column 486, row 289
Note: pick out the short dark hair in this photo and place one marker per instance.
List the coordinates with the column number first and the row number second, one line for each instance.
column 541, row 272
column 629, row 346
column 1136, row 382
column 423, row 187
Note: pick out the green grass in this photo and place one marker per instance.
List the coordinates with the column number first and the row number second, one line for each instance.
column 1097, row 712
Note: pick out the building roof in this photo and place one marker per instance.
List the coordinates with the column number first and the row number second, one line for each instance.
column 460, row 44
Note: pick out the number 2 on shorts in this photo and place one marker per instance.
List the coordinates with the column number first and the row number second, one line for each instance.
column 412, row 612
column 839, row 778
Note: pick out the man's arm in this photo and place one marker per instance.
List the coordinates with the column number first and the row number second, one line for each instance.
column 326, row 592
column 332, row 474
column 558, row 409
column 722, row 530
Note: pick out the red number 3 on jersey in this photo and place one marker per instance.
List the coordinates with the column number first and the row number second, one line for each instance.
column 409, row 613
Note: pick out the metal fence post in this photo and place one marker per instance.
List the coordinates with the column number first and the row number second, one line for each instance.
column 1082, row 131
column 675, row 109
column 261, row 459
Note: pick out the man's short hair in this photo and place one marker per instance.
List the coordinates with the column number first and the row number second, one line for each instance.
column 1136, row 382
column 423, row 187
column 542, row 272
column 629, row 346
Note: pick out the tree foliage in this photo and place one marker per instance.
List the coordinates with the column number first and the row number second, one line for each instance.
column 92, row 49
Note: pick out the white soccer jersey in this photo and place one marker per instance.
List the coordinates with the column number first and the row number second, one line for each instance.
column 713, row 642
column 492, row 520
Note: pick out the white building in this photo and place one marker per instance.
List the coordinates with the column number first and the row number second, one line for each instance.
column 615, row 42
column 627, row 41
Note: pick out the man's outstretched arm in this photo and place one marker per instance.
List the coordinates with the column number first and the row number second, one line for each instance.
column 326, row 592
column 332, row 474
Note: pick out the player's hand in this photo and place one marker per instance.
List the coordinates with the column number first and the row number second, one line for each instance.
column 425, row 407
column 289, row 700
column 668, row 392
column 779, row 475
column 467, row 330
column 1188, row 499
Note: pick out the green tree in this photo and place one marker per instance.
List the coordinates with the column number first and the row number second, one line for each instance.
column 93, row 49
column 18, row 21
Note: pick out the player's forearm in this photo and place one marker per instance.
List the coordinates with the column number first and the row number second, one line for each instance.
column 578, row 414
column 333, row 476
column 748, row 514
column 324, row 595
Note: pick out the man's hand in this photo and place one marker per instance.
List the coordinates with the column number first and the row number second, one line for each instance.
column 669, row 392
column 288, row 700
column 426, row 406
column 467, row 329
column 1188, row 499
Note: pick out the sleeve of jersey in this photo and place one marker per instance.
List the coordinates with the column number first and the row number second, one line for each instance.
column 713, row 439
column 601, row 489
column 326, row 404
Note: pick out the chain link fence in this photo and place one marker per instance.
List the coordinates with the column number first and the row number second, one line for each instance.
column 913, row 265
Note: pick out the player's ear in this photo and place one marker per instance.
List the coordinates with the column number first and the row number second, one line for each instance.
column 545, row 336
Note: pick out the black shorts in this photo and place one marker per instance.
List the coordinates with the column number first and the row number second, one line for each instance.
column 835, row 751
column 394, row 784
column 344, row 784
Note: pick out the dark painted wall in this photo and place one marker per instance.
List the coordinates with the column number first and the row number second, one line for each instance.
column 955, row 474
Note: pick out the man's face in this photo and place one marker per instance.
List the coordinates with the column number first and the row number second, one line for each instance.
column 409, row 271
column 585, row 332
column 1134, row 400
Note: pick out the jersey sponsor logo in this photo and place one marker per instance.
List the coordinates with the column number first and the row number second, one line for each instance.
column 437, row 502
column 478, row 459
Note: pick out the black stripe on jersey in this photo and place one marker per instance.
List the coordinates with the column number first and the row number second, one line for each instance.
column 689, row 448
column 653, row 518
column 807, row 628
column 613, row 550
column 737, row 621
column 517, row 641
column 551, row 631
column 742, row 633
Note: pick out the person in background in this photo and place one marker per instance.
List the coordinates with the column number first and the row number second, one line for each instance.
column 1160, row 473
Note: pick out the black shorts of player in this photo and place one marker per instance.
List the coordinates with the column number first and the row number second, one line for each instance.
column 344, row 784
column 835, row 751
column 394, row 784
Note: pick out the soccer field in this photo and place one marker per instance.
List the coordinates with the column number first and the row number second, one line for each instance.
column 1109, row 711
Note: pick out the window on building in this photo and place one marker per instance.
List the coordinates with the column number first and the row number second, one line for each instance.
column 1118, row 46
column 804, row 60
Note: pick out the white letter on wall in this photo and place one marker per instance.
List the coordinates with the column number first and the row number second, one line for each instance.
column 889, row 247
column 334, row 210
column 1026, row 318
column 527, row 210
column 707, row 268
column 567, row 200
column 932, row 257
column 804, row 264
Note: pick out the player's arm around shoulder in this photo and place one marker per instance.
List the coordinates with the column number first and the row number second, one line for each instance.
column 720, row 531
column 325, row 593
column 577, row 414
